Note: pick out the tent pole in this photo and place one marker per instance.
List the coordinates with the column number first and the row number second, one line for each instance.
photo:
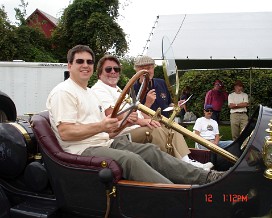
column 250, row 89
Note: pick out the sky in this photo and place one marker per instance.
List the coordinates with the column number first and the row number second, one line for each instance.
column 137, row 17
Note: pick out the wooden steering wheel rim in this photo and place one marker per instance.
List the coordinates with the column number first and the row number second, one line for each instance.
column 126, row 91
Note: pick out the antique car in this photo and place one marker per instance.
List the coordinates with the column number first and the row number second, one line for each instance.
column 39, row 179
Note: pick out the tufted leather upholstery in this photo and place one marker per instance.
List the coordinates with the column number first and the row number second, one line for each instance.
column 201, row 155
column 50, row 146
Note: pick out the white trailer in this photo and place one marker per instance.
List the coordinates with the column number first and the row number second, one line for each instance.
column 29, row 83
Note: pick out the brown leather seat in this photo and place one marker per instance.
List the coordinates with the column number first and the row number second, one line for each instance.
column 49, row 144
column 74, row 178
column 201, row 155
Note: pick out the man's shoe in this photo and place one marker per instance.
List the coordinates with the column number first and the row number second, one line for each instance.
column 206, row 166
column 214, row 175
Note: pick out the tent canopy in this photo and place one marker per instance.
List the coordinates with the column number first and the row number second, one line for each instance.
column 220, row 40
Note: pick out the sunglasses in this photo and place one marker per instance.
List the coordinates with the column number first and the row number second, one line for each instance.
column 81, row 61
column 109, row 69
column 209, row 110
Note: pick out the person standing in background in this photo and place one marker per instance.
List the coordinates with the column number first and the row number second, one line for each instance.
column 238, row 103
column 186, row 92
column 216, row 97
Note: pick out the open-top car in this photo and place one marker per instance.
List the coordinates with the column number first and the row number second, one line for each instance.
column 39, row 179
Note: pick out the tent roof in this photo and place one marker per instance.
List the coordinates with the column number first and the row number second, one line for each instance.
column 220, row 40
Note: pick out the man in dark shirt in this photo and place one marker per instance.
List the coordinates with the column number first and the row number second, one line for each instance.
column 157, row 94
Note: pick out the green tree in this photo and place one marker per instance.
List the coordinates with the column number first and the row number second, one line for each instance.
column 93, row 23
column 6, row 36
column 32, row 45
column 21, row 13
column 23, row 42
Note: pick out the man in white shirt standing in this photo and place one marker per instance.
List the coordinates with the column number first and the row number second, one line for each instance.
column 208, row 129
column 238, row 103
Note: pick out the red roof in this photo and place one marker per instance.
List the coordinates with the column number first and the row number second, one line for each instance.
column 42, row 20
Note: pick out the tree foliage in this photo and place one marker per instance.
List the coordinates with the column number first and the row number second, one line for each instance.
column 93, row 23
column 6, row 36
column 21, row 13
column 23, row 42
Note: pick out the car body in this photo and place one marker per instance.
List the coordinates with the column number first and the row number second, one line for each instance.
column 40, row 181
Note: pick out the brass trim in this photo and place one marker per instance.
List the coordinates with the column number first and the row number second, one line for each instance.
column 267, row 153
column 268, row 173
column 23, row 132
column 38, row 156
column 104, row 164
column 195, row 137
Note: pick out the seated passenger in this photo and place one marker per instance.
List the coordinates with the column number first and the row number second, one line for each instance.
column 107, row 91
column 157, row 95
column 208, row 129
column 81, row 127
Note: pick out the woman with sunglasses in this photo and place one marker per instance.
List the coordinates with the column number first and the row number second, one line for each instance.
column 207, row 128
column 106, row 89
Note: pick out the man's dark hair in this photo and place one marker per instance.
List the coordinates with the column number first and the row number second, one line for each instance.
column 101, row 62
column 78, row 49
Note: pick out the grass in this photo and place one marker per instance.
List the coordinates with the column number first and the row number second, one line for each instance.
column 224, row 130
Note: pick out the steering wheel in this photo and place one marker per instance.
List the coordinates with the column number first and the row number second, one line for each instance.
column 134, row 104
column 128, row 101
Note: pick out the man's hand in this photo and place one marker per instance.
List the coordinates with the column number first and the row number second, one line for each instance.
column 132, row 118
column 180, row 103
column 149, row 123
column 150, row 98
column 109, row 124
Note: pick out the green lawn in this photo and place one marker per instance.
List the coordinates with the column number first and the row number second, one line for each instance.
column 225, row 133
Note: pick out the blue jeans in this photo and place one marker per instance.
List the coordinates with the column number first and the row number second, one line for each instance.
column 221, row 144
column 216, row 116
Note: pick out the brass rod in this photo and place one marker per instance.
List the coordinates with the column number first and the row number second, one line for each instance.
column 190, row 134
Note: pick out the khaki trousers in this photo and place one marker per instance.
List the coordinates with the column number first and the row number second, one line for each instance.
column 237, row 122
column 160, row 137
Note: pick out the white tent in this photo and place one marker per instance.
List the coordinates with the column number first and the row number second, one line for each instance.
column 219, row 40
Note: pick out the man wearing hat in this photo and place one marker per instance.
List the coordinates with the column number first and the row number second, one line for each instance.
column 238, row 103
column 157, row 94
column 208, row 129
column 216, row 97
